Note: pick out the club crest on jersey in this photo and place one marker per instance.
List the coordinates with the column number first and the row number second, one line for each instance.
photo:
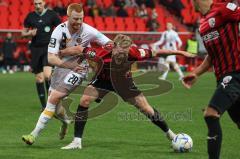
column 226, row 80
column 79, row 40
column 212, row 22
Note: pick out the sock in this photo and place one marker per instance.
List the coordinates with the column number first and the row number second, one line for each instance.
column 47, row 85
column 179, row 71
column 45, row 116
column 41, row 94
column 77, row 140
column 214, row 139
column 80, row 121
column 164, row 76
column 159, row 121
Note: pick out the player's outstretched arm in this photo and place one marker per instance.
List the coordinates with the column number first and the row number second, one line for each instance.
column 71, row 51
column 173, row 52
column 191, row 78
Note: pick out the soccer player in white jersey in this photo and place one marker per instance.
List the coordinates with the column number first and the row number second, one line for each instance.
column 64, row 79
column 171, row 41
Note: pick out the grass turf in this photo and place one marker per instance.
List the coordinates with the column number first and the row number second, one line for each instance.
column 114, row 134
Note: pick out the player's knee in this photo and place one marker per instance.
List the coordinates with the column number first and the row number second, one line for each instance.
column 211, row 112
column 85, row 101
column 39, row 78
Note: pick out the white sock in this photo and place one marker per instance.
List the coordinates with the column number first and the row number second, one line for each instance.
column 179, row 71
column 77, row 139
column 164, row 76
column 170, row 133
column 45, row 116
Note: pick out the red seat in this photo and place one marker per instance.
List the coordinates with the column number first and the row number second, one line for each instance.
column 89, row 20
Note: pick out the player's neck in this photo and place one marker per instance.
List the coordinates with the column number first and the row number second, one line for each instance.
column 205, row 7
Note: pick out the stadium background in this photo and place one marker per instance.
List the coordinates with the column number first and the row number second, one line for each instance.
column 19, row 104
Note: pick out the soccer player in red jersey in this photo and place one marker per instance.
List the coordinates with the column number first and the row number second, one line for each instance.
column 220, row 32
column 115, row 76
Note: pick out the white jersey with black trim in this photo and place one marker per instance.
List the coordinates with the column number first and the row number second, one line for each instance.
column 170, row 39
column 61, row 38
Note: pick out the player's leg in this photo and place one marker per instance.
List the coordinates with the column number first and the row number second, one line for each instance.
column 234, row 113
column 47, row 71
column 39, row 78
column 45, row 116
column 164, row 76
column 90, row 94
column 178, row 70
column 142, row 104
column 37, row 69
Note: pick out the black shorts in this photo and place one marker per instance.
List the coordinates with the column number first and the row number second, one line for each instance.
column 126, row 89
column 39, row 58
column 227, row 96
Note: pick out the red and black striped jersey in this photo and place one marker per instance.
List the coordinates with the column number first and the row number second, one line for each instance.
column 135, row 54
column 219, row 29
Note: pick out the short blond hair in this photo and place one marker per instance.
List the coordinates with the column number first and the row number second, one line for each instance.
column 74, row 7
column 123, row 40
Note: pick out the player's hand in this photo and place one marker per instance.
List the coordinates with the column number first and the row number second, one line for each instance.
column 189, row 80
column 33, row 32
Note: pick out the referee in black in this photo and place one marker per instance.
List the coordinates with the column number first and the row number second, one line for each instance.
column 39, row 25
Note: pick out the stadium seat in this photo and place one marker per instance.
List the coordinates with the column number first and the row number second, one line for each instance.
column 89, row 20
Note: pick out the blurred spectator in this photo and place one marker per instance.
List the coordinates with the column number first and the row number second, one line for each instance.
column 1, row 59
column 174, row 6
column 110, row 11
column 131, row 3
column 95, row 11
column 60, row 9
column 121, row 12
column 8, row 48
column 142, row 12
column 152, row 24
column 150, row 3
column 120, row 3
column 140, row 2
column 91, row 3
column 22, row 55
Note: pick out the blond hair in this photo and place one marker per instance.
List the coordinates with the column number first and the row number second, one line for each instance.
column 123, row 41
column 74, row 7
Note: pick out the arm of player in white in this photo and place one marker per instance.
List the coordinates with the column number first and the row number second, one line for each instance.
column 179, row 41
column 159, row 42
column 71, row 51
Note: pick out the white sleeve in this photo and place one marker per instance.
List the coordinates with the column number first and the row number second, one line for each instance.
column 179, row 41
column 99, row 37
column 160, row 42
column 55, row 40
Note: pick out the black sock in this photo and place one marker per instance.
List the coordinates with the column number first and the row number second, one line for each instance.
column 214, row 137
column 80, row 121
column 47, row 85
column 41, row 94
column 158, row 120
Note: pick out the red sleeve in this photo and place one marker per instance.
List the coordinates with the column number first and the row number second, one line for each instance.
column 139, row 54
column 231, row 12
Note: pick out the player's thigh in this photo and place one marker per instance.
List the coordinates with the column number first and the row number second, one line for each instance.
column 226, row 94
column 234, row 112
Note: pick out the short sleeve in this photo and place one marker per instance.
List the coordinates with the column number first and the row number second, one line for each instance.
column 27, row 22
column 55, row 40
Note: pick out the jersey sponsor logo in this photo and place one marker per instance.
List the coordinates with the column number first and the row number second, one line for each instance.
column 52, row 42
column 142, row 52
column 231, row 6
column 212, row 22
column 47, row 29
column 226, row 81
column 211, row 36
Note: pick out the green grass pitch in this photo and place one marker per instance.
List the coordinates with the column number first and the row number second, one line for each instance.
column 111, row 136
